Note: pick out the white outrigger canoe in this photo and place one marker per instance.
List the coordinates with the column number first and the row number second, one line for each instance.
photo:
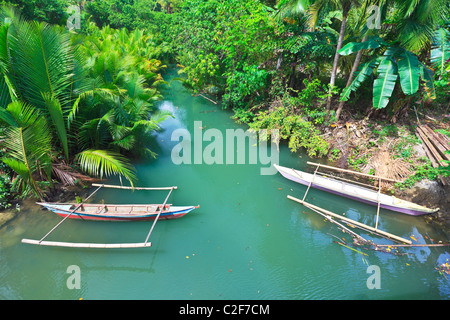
column 354, row 192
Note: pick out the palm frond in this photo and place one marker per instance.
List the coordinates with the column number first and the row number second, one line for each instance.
column 104, row 163
column 28, row 145
column 42, row 62
column 56, row 115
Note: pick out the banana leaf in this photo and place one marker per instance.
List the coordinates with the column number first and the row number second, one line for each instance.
column 365, row 70
column 384, row 85
column 370, row 43
column 427, row 78
column 409, row 72
column 440, row 51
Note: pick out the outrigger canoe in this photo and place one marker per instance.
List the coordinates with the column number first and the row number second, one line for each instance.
column 112, row 212
column 354, row 192
column 116, row 212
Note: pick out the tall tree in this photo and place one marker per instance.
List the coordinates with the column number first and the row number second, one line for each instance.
column 315, row 9
column 344, row 6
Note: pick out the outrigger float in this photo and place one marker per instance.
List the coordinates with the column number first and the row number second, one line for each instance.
column 112, row 212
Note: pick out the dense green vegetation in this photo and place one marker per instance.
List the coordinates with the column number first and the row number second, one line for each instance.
column 83, row 100
column 74, row 102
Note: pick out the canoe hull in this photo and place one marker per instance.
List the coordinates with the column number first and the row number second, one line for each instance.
column 408, row 208
column 170, row 212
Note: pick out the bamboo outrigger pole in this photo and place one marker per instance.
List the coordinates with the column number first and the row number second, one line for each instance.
column 311, row 182
column 159, row 213
column 76, row 208
column 356, row 223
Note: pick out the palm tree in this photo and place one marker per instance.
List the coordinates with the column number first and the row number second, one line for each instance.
column 42, row 67
column 416, row 22
column 122, row 63
column 315, row 8
column 37, row 61
column 361, row 26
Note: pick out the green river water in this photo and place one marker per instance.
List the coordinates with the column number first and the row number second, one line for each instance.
column 246, row 241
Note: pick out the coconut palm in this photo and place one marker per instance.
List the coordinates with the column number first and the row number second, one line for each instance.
column 416, row 21
column 315, row 9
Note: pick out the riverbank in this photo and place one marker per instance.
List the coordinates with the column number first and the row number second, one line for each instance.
column 368, row 146
column 59, row 193
column 393, row 151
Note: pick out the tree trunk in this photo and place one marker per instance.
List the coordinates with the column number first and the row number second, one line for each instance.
column 336, row 56
column 350, row 77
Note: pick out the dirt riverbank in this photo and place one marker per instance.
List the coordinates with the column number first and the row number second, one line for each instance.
column 391, row 151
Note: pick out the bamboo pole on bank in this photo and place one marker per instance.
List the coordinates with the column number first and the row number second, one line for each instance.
column 356, row 223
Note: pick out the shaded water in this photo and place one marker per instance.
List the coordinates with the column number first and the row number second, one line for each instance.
column 246, row 241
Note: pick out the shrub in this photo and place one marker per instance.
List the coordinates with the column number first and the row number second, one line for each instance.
column 299, row 132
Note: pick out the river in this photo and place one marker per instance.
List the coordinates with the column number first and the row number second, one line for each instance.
column 246, row 241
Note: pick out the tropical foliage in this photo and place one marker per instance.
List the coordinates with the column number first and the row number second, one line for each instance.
column 83, row 100
column 395, row 63
column 87, row 98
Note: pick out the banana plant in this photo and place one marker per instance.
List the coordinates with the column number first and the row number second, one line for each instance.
column 440, row 51
column 395, row 64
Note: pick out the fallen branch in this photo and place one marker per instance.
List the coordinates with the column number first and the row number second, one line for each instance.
column 207, row 98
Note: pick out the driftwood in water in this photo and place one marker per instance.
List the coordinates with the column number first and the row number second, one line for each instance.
column 207, row 98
